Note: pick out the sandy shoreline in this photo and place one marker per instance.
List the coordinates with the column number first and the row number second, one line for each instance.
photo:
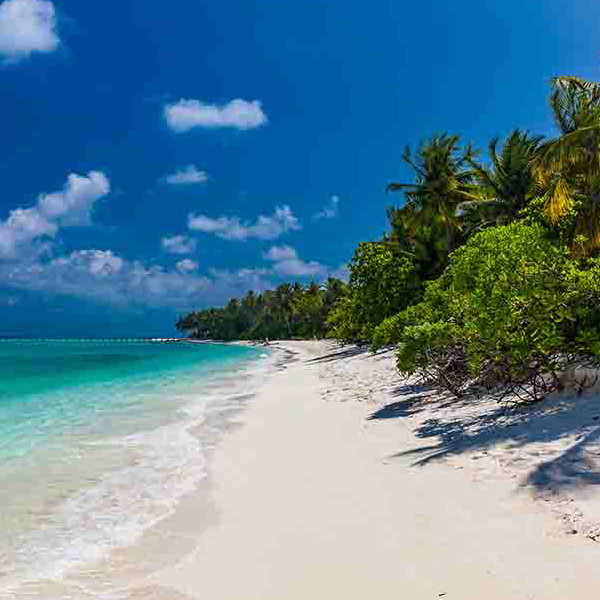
column 344, row 482
column 96, row 510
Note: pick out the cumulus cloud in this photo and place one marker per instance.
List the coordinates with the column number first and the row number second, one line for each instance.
column 287, row 262
column 22, row 233
column 26, row 27
column 233, row 228
column 189, row 175
column 187, row 266
column 185, row 115
column 179, row 244
column 100, row 263
column 330, row 210
column 73, row 205
column 101, row 275
column 29, row 260
column 279, row 253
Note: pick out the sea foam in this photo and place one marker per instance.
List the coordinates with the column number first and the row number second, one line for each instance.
column 136, row 479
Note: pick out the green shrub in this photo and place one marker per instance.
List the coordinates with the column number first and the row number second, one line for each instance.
column 382, row 283
column 509, row 310
column 340, row 322
column 387, row 332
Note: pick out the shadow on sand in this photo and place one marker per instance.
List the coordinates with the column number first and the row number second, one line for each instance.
column 574, row 420
column 349, row 352
column 339, row 354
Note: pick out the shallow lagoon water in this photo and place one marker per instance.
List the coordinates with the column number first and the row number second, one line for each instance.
column 97, row 443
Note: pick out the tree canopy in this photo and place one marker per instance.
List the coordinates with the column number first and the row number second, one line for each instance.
column 489, row 273
column 290, row 310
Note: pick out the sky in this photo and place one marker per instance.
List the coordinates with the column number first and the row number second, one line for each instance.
column 163, row 157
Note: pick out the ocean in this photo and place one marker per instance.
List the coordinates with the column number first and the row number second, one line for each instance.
column 99, row 441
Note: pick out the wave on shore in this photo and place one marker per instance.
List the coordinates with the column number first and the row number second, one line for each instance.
column 97, row 483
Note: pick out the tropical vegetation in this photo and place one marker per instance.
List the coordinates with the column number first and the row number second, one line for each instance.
column 289, row 311
column 489, row 276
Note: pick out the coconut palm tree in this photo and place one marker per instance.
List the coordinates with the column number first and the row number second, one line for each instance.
column 568, row 167
column 415, row 240
column 283, row 296
column 444, row 178
column 507, row 184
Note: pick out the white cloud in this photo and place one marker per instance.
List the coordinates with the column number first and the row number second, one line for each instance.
column 279, row 253
column 73, row 205
column 27, row 26
column 187, row 176
column 187, row 266
column 330, row 210
column 23, row 231
column 29, row 260
column 184, row 115
column 179, row 244
column 101, row 275
column 287, row 262
column 99, row 263
column 232, row 228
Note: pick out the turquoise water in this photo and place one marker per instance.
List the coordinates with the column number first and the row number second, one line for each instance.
column 97, row 443
column 47, row 387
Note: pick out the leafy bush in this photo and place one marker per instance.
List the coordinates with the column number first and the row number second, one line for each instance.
column 511, row 309
column 382, row 283
column 388, row 332
column 341, row 323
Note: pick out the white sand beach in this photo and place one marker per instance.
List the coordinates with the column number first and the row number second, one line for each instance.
column 345, row 482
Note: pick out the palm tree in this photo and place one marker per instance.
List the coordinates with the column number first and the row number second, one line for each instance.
column 507, row 184
column 284, row 294
column 568, row 168
column 443, row 180
column 415, row 240
column 307, row 307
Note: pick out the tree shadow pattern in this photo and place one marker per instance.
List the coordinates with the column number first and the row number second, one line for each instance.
column 574, row 422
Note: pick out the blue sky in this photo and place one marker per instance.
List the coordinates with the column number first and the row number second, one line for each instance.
column 161, row 157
